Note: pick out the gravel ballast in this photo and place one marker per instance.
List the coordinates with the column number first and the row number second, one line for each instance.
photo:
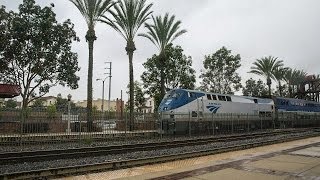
column 28, row 166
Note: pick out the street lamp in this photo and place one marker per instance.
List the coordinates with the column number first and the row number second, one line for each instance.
column 102, row 102
column 69, row 116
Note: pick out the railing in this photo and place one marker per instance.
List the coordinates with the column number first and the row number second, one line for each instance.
column 47, row 126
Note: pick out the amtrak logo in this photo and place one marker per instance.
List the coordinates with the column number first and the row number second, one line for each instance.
column 213, row 109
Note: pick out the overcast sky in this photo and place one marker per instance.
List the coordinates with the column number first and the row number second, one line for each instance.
column 287, row 29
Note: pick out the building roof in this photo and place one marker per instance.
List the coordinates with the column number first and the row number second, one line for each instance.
column 9, row 90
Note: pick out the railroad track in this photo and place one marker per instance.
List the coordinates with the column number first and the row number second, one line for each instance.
column 47, row 155
column 134, row 147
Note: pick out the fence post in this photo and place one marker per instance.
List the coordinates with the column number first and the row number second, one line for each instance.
column 231, row 123
column 248, row 123
column 79, row 117
column 260, row 117
column 189, row 125
column 161, row 124
column 125, row 126
column 213, row 127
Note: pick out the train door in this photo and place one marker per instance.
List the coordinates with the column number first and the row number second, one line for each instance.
column 200, row 108
column 255, row 107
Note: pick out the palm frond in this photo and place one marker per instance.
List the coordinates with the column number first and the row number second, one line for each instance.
column 128, row 16
column 163, row 31
column 92, row 10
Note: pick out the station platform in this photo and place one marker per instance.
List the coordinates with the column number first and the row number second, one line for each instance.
column 291, row 160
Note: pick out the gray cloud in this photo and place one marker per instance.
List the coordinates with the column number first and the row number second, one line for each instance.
column 287, row 29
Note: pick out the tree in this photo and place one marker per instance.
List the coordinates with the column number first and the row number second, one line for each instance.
column 139, row 99
column 62, row 104
column 279, row 75
column 39, row 51
column 177, row 69
column 219, row 74
column 4, row 37
column 161, row 33
column 266, row 67
column 255, row 88
column 11, row 104
column 91, row 10
column 128, row 16
column 38, row 104
column 294, row 78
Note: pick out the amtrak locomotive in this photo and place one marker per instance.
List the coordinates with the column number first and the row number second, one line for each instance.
column 178, row 103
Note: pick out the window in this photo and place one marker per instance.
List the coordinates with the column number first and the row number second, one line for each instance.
column 209, row 96
column 228, row 98
column 214, row 97
column 194, row 114
column 222, row 98
column 192, row 95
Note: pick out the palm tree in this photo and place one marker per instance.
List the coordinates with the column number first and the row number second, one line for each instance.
column 289, row 78
column 161, row 33
column 265, row 67
column 294, row 77
column 299, row 79
column 128, row 16
column 91, row 10
column 279, row 75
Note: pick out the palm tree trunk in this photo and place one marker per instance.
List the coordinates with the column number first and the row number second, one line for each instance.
column 162, row 87
column 162, row 83
column 280, row 89
column 131, row 89
column 90, row 37
column 290, row 90
column 130, row 49
column 269, row 86
column 162, row 65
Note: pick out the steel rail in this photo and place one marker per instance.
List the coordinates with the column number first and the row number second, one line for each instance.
column 70, row 170
column 34, row 156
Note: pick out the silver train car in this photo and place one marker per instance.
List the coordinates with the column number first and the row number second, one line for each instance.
column 182, row 107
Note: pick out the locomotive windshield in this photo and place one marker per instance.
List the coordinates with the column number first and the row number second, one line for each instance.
column 172, row 94
column 172, row 99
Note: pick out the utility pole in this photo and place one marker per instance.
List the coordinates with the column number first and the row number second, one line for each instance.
column 109, row 73
column 121, row 107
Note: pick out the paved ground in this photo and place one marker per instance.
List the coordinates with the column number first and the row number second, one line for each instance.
column 292, row 160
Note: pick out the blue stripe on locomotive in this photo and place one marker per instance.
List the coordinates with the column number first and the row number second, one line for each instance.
column 172, row 102
column 289, row 104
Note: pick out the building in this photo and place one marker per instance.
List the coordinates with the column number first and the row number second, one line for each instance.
column 148, row 106
column 46, row 101
column 114, row 104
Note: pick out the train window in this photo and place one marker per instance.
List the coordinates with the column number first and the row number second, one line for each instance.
column 192, row 95
column 222, row 98
column 176, row 95
column 194, row 114
column 214, row 97
column 228, row 98
column 209, row 96
column 255, row 101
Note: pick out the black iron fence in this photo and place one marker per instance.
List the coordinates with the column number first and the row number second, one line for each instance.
column 54, row 125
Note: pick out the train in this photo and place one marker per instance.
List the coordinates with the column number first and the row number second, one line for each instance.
column 180, row 106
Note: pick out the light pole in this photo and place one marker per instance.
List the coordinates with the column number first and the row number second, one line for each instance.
column 102, row 101
column 69, row 116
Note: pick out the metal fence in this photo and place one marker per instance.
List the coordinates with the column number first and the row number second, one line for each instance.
column 217, row 124
column 55, row 126
column 44, row 125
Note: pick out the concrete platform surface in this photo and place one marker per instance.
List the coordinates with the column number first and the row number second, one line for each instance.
column 234, row 174
column 311, row 151
column 291, row 160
